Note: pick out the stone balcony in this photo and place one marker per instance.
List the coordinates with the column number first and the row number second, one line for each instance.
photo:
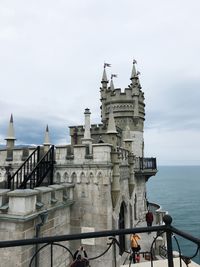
column 145, row 167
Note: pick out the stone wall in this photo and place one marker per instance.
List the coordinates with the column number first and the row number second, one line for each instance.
column 20, row 215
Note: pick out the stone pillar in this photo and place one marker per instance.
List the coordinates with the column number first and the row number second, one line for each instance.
column 57, row 192
column 115, row 186
column 131, row 182
column 87, row 135
column 44, row 197
column 10, row 140
column 22, row 201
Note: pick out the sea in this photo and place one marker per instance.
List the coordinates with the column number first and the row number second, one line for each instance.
column 177, row 190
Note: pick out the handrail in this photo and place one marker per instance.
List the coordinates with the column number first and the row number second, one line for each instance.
column 167, row 228
column 23, row 168
column 38, row 167
column 145, row 163
column 33, row 170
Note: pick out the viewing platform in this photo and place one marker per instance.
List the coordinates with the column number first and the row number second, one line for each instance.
column 145, row 167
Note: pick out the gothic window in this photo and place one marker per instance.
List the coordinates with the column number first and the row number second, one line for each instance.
column 83, row 178
column 91, row 177
column 74, row 177
column 58, row 178
column 66, row 178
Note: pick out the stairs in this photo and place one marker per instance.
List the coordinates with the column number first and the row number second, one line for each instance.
column 36, row 169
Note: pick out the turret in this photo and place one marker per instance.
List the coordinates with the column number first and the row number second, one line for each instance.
column 104, row 80
column 103, row 90
column 87, row 134
column 112, row 88
column 10, row 139
column 134, row 72
column 46, row 143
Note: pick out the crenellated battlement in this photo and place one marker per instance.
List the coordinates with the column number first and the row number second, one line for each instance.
column 28, row 202
column 118, row 94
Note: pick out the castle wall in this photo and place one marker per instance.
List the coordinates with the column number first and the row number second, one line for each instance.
column 19, row 220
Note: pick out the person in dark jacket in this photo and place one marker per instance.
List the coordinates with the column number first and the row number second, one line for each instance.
column 80, row 258
column 149, row 218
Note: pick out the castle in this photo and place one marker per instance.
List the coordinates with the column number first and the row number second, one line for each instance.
column 96, row 182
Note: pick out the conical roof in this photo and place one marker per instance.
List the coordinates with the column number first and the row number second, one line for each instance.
column 134, row 72
column 46, row 137
column 11, row 132
column 112, row 85
column 104, row 77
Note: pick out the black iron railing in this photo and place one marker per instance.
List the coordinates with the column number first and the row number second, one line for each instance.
column 167, row 229
column 33, row 171
column 145, row 163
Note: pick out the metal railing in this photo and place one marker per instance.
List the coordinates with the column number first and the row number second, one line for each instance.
column 33, row 171
column 145, row 163
column 167, row 229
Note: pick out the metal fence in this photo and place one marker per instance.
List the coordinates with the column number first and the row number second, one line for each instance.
column 167, row 229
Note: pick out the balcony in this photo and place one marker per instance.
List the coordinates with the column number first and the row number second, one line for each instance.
column 145, row 167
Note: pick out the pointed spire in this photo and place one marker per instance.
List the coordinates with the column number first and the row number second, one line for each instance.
column 134, row 72
column 46, row 137
column 11, row 132
column 112, row 88
column 104, row 77
column 111, row 123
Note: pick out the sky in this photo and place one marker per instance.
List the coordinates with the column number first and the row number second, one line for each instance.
column 51, row 64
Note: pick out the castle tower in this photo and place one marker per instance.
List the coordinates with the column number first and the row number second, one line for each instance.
column 128, row 110
column 10, row 139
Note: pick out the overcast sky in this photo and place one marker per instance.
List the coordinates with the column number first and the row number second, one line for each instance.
column 51, row 63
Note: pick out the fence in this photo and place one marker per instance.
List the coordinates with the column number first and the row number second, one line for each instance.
column 167, row 229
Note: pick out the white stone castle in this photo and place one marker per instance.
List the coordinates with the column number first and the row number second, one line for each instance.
column 95, row 183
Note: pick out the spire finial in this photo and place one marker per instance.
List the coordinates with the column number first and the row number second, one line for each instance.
column 104, row 77
column 106, row 65
column 11, row 118
column 134, row 73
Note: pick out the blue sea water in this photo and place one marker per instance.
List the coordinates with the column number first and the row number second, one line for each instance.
column 177, row 190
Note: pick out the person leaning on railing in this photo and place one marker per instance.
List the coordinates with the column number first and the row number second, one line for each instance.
column 80, row 258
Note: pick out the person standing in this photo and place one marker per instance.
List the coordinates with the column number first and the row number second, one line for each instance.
column 149, row 218
column 135, row 247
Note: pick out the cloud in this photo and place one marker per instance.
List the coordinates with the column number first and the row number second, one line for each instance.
column 32, row 131
column 52, row 57
column 177, row 108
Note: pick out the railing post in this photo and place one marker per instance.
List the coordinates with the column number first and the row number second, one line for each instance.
column 168, row 220
column 115, row 255
column 51, row 255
